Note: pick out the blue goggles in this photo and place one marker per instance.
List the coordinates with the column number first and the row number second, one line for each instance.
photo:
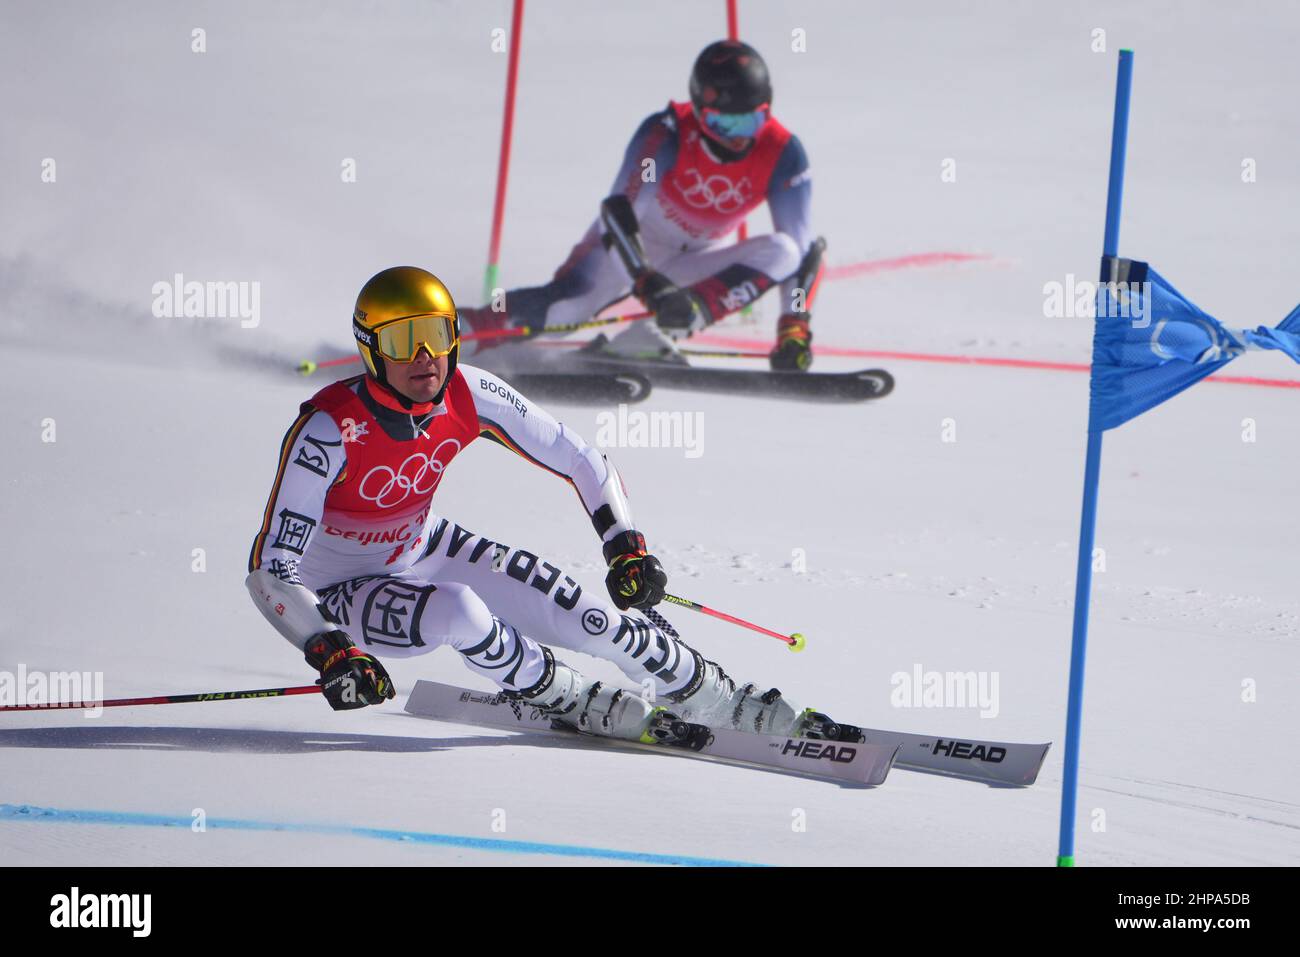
column 735, row 125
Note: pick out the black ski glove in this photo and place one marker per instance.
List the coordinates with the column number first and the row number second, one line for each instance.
column 635, row 579
column 676, row 310
column 350, row 678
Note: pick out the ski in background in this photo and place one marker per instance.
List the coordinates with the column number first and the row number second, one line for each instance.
column 857, row 386
column 614, row 387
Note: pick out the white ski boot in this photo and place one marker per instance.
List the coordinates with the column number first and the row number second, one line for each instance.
column 641, row 341
column 593, row 707
column 714, row 699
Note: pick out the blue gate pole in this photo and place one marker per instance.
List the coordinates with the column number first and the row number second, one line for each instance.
column 1091, row 474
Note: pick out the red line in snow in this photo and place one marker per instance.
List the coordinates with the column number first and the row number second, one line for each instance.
column 1252, row 380
column 916, row 260
column 851, row 270
column 738, row 342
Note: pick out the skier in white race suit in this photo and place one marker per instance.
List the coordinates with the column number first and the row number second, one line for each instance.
column 351, row 564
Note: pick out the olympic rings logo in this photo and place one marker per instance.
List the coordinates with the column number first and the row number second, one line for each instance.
column 418, row 475
column 717, row 192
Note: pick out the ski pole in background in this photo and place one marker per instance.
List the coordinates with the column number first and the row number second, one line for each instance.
column 795, row 641
column 166, row 699
column 503, row 160
column 518, row 332
column 723, row 353
column 308, row 366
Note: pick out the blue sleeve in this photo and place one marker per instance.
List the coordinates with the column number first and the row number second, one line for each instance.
column 789, row 195
column 655, row 138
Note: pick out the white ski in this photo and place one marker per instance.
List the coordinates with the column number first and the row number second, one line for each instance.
column 993, row 762
column 863, row 764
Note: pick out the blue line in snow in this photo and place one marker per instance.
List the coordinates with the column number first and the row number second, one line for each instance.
column 52, row 815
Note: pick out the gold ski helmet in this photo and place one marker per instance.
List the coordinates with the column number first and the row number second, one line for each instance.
column 399, row 312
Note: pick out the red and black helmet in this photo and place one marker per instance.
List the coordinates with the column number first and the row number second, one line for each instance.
column 730, row 77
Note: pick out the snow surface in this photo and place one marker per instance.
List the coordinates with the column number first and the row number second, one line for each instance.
column 954, row 556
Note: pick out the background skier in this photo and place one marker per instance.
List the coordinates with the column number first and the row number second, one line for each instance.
column 690, row 176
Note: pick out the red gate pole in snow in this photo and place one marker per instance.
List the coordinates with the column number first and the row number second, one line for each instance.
column 503, row 161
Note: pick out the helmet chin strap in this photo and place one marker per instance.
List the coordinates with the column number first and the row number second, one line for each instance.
column 380, row 378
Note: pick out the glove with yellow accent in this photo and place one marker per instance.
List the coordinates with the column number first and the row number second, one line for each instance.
column 635, row 579
column 349, row 678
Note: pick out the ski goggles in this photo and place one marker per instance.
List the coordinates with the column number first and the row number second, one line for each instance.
column 735, row 125
column 402, row 339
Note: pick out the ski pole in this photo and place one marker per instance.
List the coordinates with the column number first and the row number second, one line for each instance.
column 795, row 641
column 525, row 331
column 308, row 366
column 724, row 354
column 167, row 699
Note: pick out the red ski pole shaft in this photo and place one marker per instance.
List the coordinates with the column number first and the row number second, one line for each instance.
column 308, row 366
column 167, row 699
column 524, row 331
column 795, row 641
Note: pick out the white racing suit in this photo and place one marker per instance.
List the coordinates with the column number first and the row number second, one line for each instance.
column 349, row 524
